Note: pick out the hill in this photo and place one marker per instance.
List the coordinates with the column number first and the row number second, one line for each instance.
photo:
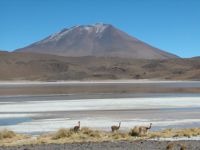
column 32, row 66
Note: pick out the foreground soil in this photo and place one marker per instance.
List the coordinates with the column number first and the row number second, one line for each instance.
column 119, row 145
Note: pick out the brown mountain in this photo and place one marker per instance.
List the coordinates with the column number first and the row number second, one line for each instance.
column 32, row 66
column 101, row 40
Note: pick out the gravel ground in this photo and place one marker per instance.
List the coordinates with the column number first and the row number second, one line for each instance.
column 121, row 145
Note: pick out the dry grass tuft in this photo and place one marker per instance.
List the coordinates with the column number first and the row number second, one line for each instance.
column 170, row 146
column 91, row 133
column 134, row 132
column 62, row 133
column 9, row 138
column 183, row 147
column 175, row 133
column 6, row 134
column 119, row 136
column 84, row 133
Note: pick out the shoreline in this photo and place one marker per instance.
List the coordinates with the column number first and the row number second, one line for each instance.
column 87, row 135
column 95, row 87
column 94, row 81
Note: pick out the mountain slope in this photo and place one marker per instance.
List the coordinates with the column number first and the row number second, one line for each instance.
column 96, row 40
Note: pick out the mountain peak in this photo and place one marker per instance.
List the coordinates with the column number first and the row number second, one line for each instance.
column 98, row 39
column 97, row 28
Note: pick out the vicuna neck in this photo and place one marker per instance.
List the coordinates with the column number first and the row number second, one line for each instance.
column 149, row 126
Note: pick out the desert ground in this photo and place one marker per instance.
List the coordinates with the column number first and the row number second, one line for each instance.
column 125, row 145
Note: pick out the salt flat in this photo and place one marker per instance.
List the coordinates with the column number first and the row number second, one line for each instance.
column 128, row 81
column 43, row 115
column 101, row 104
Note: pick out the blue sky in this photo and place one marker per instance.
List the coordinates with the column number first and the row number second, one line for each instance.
column 171, row 25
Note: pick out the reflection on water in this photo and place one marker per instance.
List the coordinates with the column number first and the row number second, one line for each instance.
column 10, row 99
column 13, row 121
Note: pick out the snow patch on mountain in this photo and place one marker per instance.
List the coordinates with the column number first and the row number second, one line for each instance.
column 97, row 28
column 100, row 28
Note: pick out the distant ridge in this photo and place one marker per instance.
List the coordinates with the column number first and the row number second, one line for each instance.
column 197, row 57
column 3, row 51
column 100, row 40
column 45, row 67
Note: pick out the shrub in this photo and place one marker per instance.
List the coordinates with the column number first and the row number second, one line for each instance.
column 119, row 135
column 62, row 133
column 183, row 147
column 86, row 130
column 170, row 146
column 134, row 132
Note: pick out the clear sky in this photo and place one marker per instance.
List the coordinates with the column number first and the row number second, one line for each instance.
column 171, row 25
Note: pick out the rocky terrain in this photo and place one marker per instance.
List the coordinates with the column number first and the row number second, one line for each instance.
column 33, row 66
column 125, row 145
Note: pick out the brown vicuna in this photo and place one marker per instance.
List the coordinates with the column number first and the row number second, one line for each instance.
column 143, row 130
column 115, row 128
column 77, row 128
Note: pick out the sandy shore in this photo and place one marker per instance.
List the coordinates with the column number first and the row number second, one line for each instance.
column 120, row 145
